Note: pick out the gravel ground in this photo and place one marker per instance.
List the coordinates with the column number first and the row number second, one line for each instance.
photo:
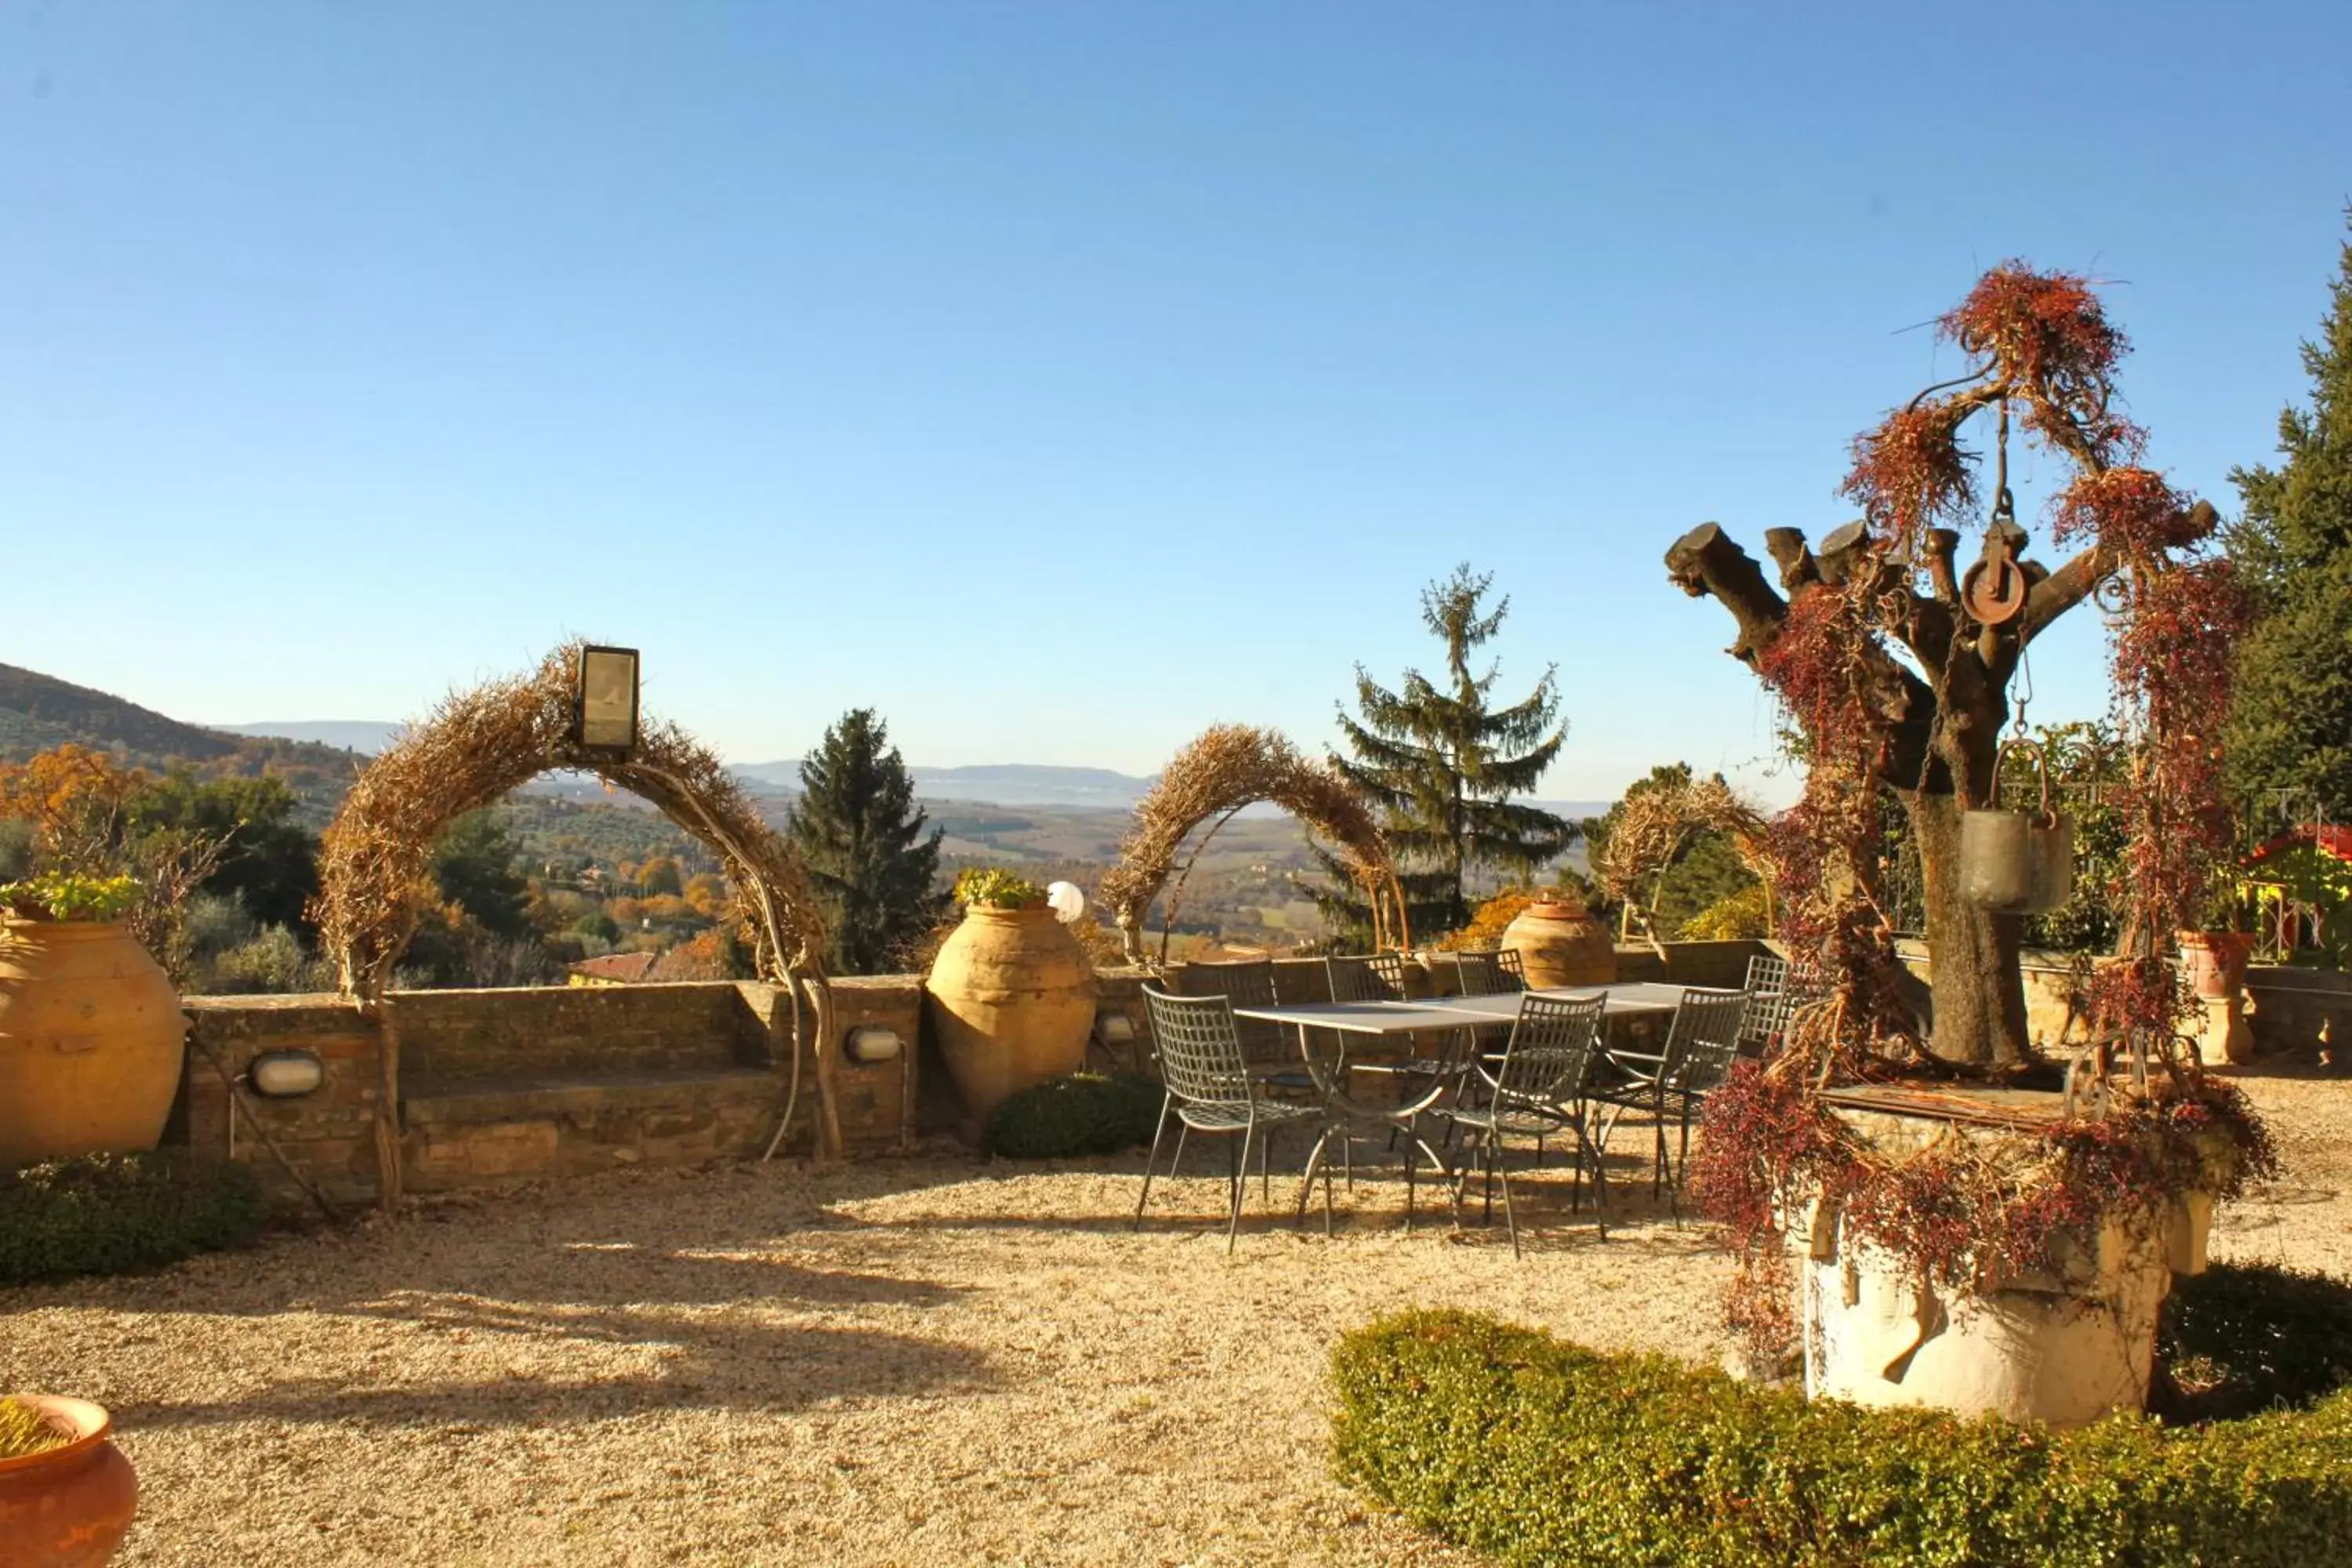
column 934, row 1361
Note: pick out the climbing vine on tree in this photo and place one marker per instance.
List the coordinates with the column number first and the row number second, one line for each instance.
column 1894, row 662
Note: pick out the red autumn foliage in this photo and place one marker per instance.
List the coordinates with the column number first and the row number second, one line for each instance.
column 1911, row 472
column 2048, row 328
column 2131, row 509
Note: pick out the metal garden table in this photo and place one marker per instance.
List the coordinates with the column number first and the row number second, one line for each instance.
column 1454, row 1016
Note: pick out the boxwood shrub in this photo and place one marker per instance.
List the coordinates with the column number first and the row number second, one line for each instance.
column 1506, row 1440
column 108, row 1213
column 1084, row 1113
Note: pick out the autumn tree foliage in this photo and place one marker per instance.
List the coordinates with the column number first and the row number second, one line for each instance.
column 1895, row 683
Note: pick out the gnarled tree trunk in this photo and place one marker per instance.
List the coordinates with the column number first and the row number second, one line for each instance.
column 1972, row 954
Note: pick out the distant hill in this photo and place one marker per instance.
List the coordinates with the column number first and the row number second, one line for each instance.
column 365, row 736
column 1007, row 783
column 38, row 711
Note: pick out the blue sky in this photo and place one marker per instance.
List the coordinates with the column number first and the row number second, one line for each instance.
column 1060, row 379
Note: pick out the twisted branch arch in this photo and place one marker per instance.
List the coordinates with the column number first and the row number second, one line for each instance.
column 1225, row 768
column 374, row 858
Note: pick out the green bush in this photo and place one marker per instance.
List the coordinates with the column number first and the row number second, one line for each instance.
column 2239, row 1339
column 1511, row 1442
column 109, row 1213
column 1085, row 1114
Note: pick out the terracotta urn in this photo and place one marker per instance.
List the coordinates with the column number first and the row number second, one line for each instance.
column 90, row 1041
column 2216, row 961
column 1012, row 997
column 1559, row 944
column 67, row 1507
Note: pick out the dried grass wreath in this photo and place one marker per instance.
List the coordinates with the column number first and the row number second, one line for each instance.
column 1230, row 766
column 375, row 857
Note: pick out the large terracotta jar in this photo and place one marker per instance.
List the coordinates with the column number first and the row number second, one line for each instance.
column 1559, row 944
column 1012, row 999
column 67, row 1507
column 2216, row 961
column 90, row 1041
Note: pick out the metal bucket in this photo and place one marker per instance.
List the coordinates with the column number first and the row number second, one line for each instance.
column 2017, row 862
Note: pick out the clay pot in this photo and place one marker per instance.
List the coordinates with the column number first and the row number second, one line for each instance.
column 1012, row 999
column 2216, row 961
column 90, row 1041
column 68, row 1507
column 1559, row 944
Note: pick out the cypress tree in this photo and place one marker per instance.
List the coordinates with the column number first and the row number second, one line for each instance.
column 1441, row 765
column 859, row 831
column 2291, row 714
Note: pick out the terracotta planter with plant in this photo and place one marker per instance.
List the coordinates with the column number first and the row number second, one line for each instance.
column 66, row 1494
column 1559, row 944
column 1012, row 995
column 90, row 1029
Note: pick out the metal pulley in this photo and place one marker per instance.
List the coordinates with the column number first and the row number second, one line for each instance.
column 1994, row 589
column 2017, row 862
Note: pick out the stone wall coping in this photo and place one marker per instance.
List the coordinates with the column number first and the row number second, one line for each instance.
column 515, row 1098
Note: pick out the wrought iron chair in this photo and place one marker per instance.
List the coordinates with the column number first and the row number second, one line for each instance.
column 1513, row 964
column 1699, row 1047
column 1268, row 1047
column 1368, row 977
column 1532, row 1090
column 1482, row 974
column 1776, row 989
column 1209, row 1089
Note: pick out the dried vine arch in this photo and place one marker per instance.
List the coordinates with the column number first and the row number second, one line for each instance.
column 1225, row 768
column 375, row 857
column 1655, row 824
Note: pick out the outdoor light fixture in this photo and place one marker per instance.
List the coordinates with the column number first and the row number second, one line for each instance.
column 1068, row 900
column 871, row 1043
column 282, row 1074
column 604, row 702
column 1115, row 1029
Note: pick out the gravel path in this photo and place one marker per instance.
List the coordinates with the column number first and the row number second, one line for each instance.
column 935, row 1361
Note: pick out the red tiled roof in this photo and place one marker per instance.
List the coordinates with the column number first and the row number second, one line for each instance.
column 628, row 967
column 2332, row 841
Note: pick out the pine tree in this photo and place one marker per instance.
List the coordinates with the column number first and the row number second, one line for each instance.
column 1440, row 766
column 2290, row 717
column 861, row 835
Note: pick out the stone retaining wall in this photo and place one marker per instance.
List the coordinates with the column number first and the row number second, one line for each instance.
column 554, row 1081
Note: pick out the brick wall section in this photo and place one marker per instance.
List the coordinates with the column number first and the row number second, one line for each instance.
column 329, row 1136
column 2292, row 1006
column 451, row 1037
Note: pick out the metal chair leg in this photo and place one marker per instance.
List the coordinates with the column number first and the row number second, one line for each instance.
column 1240, row 1187
column 1510, row 1219
column 1152, row 1159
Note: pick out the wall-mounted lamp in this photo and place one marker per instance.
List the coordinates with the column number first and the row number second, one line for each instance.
column 870, row 1043
column 1115, row 1029
column 282, row 1074
column 604, row 702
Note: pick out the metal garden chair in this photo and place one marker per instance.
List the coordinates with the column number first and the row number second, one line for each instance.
column 1699, row 1047
column 1369, row 977
column 1482, row 974
column 1268, row 1047
column 1532, row 1090
column 1776, row 989
column 1209, row 1090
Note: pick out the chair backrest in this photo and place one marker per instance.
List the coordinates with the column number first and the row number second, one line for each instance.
column 1200, row 1052
column 1244, row 982
column 1777, row 988
column 1374, row 977
column 1513, row 964
column 1482, row 974
column 1550, row 1049
column 1705, row 1038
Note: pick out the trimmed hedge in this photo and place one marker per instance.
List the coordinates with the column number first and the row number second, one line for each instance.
column 109, row 1214
column 1084, row 1113
column 1509, row 1441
